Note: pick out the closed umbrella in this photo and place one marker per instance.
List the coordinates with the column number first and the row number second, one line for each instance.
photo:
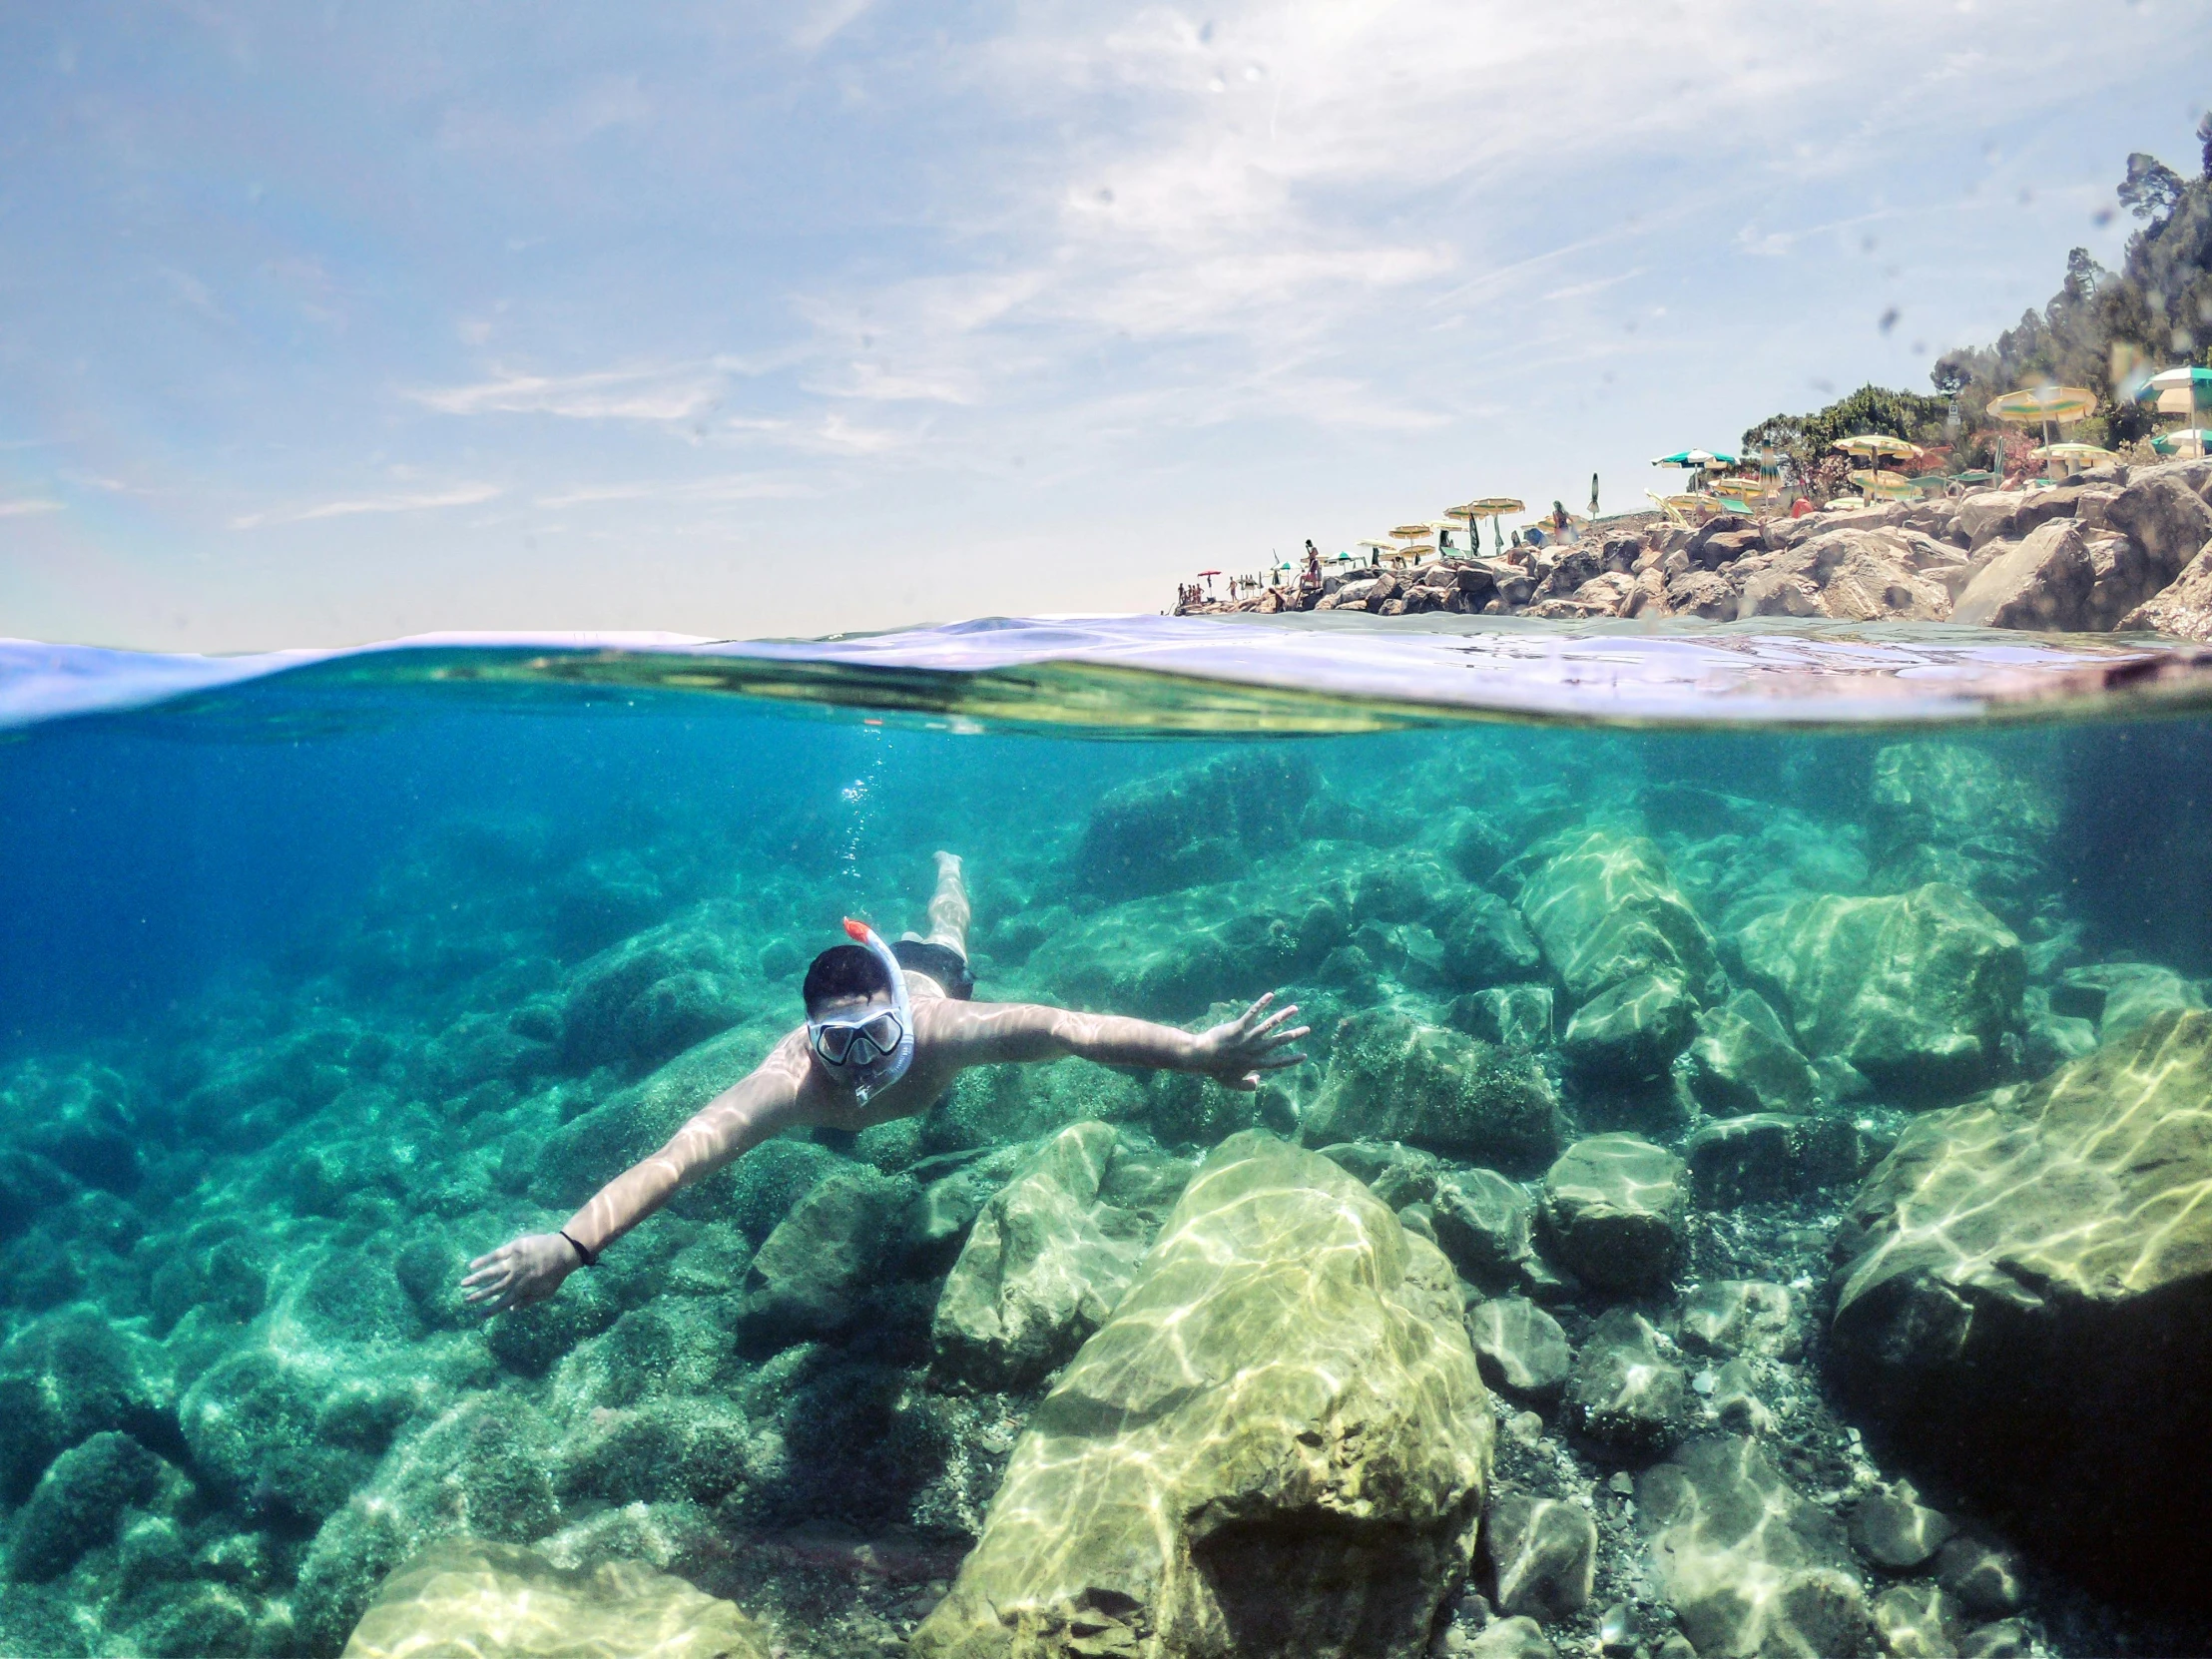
column 1491, row 507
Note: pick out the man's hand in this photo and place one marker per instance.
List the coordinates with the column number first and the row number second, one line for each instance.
column 1233, row 1053
column 528, row 1269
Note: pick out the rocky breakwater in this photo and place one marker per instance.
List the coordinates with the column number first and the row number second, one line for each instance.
column 2024, row 1304
column 2115, row 548
column 1277, row 1443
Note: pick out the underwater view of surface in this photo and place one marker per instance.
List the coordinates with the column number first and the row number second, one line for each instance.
column 1748, row 1189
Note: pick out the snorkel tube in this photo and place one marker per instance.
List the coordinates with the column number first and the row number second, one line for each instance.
column 885, row 1069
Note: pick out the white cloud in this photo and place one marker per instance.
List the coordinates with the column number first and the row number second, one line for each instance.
column 665, row 395
column 460, row 496
column 24, row 507
column 735, row 487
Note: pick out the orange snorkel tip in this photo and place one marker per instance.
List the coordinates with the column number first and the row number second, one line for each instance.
column 858, row 931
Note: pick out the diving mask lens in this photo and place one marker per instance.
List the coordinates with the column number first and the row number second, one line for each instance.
column 861, row 1042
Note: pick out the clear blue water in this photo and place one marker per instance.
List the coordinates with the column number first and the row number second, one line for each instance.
column 304, row 979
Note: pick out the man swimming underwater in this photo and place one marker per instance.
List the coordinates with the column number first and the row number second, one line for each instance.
column 888, row 1027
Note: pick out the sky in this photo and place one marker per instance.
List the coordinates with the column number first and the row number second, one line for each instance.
column 325, row 322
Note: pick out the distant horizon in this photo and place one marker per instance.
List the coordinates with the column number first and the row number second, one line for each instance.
column 322, row 330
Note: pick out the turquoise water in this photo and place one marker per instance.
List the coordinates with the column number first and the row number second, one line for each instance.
column 318, row 979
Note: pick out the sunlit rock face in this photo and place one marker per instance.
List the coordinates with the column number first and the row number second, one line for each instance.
column 1916, row 990
column 1277, row 1445
column 2026, row 1303
column 497, row 1601
column 1751, row 1567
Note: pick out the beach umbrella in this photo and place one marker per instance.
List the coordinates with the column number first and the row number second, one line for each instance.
column 2189, row 378
column 1891, row 485
column 2089, row 454
column 1696, row 458
column 1878, row 444
column 2196, row 442
column 2043, row 405
column 1491, row 507
column 1411, row 531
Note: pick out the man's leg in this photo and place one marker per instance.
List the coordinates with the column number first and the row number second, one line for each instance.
column 948, row 907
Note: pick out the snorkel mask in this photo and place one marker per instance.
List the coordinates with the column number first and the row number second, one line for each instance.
column 871, row 1050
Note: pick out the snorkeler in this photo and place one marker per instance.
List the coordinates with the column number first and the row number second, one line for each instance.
column 889, row 1028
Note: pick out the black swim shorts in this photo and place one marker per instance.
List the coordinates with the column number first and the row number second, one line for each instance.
column 941, row 962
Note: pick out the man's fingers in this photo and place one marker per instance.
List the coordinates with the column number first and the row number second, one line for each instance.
column 1275, row 1063
column 487, row 1261
column 1252, row 1012
column 1275, row 1019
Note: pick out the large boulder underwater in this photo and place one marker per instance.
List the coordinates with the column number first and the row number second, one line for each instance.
column 2024, row 1304
column 1278, row 1442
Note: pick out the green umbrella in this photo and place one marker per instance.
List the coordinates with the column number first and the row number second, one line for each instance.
column 2194, row 442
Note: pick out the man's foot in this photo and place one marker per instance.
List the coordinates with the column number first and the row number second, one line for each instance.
column 948, row 864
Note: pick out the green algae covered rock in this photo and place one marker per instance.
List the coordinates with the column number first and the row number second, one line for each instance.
column 80, row 1503
column 1917, row 989
column 1043, row 1266
column 1751, row 1567
column 1392, row 1078
column 2026, row 1302
column 496, row 1601
column 1277, row 1445
column 1203, row 823
column 1605, row 910
column 1613, row 1209
column 592, row 1149
column 813, row 1273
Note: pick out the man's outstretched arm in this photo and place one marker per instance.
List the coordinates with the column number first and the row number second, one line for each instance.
column 533, row 1267
column 1235, row 1053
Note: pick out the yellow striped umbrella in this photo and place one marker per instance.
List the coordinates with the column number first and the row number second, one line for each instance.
column 1889, row 485
column 1878, row 444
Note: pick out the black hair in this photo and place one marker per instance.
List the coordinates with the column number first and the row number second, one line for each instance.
column 845, row 970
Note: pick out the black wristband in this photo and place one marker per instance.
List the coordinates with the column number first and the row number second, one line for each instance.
column 590, row 1258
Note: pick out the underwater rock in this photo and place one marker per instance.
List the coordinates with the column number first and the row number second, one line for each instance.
column 1277, row 1443
column 1397, row 1174
column 1624, row 1392
column 465, row 1595
column 80, row 1503
column 1891, row 1528
column 530, row 1340
column 1613, row 1208
column 1740, row 1316
column 29, row 1186
column 1043, row 1266
column 1544, row 1553
column 1917, row 1621
column 1203, row 823
column 81, row 1120
column 585, row 1153
column 1171, row 955
column 1630, row 1032
column 67, row 1376
column 2047, row 1246
column 1750, row 1566
column 1486, row 943
column 484, row 1468
column 1765, row 1157
column 1392, row 1078
column 2183, row 609
column 1482, row 1221
column 1605, row 910
column 1519, row 1346
column 1957, row 813
column 1915, row 990
column 1744, row 1060
column 1984, row 1574
column 637, row 1004
column 812, row 1275
column 2119, row 996
column 1511, row 1016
